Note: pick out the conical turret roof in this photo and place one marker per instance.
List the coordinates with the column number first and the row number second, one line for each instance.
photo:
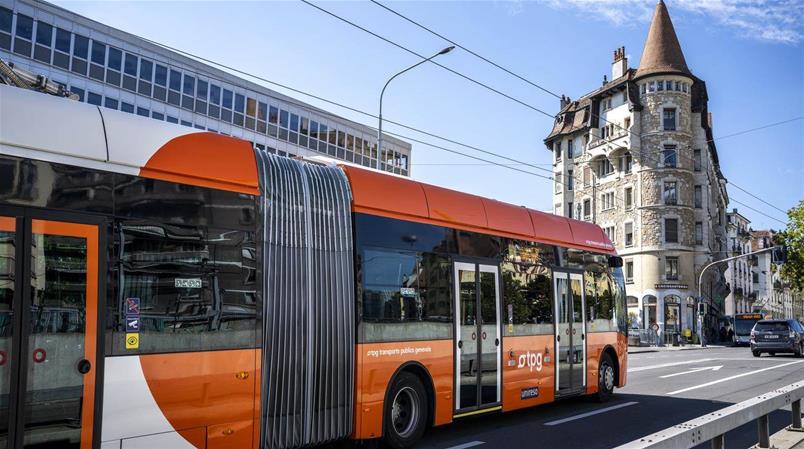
column 662, row 52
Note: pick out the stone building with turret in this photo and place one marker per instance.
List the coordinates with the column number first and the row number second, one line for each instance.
column 636, row 157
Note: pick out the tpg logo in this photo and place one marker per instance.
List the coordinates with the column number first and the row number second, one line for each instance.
column 531, row 360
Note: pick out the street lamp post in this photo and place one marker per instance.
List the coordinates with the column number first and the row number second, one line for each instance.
column 379, row 128
column 702, row 335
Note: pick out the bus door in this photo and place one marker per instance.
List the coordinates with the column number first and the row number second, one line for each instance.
column 477, row 337
column 48, row 332
column 570, row 310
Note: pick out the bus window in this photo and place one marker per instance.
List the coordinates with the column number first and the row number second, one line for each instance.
column 405, row 296
column 192, row 294
column 528, row 289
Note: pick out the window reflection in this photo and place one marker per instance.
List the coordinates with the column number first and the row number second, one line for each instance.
column 56, row 340
column 197, row 288
column 528, row 289
column 406, row 296
column 7, row 267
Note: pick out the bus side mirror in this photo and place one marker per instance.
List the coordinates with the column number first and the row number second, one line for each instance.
column 615, row 262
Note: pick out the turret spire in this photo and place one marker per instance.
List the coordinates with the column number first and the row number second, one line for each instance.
column 662, row 52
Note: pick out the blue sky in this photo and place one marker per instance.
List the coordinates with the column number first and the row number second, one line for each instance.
column 749, row 52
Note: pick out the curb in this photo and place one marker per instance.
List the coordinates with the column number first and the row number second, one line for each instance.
column 694, row 348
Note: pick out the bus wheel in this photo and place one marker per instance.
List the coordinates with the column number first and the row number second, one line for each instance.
column 405, row 414
column 605, row 379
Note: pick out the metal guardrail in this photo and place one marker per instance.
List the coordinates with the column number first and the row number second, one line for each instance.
column 714, row 426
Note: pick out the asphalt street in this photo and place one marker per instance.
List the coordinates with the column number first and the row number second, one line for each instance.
column 664, row 388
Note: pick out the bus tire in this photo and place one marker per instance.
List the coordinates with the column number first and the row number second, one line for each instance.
column 405, row 414
column 605, row 379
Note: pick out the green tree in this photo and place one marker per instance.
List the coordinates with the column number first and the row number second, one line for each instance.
column 793, row 238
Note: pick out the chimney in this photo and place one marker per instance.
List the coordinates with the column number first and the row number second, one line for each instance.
column 564, row 101
column 620, row 64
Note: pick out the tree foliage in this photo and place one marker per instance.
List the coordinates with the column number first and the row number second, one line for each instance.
column 793, row 238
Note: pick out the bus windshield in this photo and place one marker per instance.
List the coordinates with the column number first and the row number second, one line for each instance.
column 744, row 323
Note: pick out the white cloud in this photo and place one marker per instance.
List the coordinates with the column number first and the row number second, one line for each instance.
column 777, row 21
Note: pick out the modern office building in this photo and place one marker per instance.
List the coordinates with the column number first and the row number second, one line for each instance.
column 114, row 69
column 636, row 157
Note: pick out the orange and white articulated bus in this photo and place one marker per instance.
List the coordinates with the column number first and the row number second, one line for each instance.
column 163, row 287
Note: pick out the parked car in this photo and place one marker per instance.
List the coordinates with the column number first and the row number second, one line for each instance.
column 775, row 336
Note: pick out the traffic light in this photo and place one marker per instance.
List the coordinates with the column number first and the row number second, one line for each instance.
column 779, row 254
column 701, row 309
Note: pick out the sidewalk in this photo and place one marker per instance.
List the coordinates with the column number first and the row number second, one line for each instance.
column 644, row 349
column 787, row 439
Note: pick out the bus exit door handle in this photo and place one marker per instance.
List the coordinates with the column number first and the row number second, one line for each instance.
column 460, row 344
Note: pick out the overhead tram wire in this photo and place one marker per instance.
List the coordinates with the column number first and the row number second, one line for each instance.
column 400, row 46
column 758, row 198
column 350, row 108
column 758, row 211
column 389, row 9
column 408, row 50
column 543, row 89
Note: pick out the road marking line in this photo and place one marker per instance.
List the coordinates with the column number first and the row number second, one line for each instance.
column 726, row 379
column 588, row 414
column 665, row 365
column 466, row 445
column 694, row 370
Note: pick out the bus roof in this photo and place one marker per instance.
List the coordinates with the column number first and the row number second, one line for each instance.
column 65, row 131
column 378, row 193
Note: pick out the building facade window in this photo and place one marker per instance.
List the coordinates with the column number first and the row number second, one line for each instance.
column 570, row 180
column 587, row 209
column 607, row 201
column 610, row 233
column 625, row 163
column 629, row 233
column 697, row 162
column 557, row 150
column 604, row 168
column 669, row 119
column 698, row 233
column 671, row 193
column 671, row 230
column 628, row 194
column 698, row 197
column 671, row 268
column 570, row 149
column 559, row 181
column 629, row 271
column 569, row 209
column 670, row 156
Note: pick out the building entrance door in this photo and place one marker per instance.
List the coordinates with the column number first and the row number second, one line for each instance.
column 48, row 332
column 477, row 337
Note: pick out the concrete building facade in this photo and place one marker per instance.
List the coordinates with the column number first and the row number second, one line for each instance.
column 636, row 157
column 110, row 68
